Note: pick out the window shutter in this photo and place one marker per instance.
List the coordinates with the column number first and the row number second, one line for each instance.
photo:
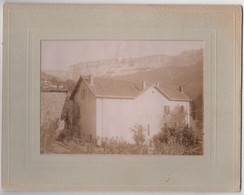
column 182, row 109
column 166, row 109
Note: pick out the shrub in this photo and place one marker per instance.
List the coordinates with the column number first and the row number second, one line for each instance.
column 139, row 135
column 188, row 137
column 174, row 141
column 116, row 146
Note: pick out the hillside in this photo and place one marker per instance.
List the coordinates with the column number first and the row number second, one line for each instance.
column 61, row 75
column 49, row 81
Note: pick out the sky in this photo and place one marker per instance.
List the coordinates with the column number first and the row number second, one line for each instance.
column 59, row 55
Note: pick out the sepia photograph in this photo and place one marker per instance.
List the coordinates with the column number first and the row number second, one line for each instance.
column 122, row 97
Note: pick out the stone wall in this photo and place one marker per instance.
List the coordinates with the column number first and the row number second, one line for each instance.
column 52, row 104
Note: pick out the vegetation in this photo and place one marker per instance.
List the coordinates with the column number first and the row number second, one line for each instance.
column 114, row 146
column 196, row 107
column 176, row 141
column 139, row 135
column 169, row 141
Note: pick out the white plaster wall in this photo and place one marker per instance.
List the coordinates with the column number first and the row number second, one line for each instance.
column 150, row 109
column 116, row 117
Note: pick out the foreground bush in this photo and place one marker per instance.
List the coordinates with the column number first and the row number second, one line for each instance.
column 174, row 141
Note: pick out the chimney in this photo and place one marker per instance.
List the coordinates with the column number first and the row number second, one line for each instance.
column 143, row 85
column 91, row 80
column 181, row 89
column 157, row 84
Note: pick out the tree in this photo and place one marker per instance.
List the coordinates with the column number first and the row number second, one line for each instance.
column 139, row 135
column 193, row 109
column 199, row 110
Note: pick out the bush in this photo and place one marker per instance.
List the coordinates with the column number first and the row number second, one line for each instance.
column 116, row 146
column 139, row 135
column 174, row 141
column 188, row 137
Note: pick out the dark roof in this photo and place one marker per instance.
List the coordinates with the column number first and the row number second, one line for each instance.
column 103, row 87
column 173, row 93
column 111, row 88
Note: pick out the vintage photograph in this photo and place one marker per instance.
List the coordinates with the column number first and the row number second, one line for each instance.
column 122, row 97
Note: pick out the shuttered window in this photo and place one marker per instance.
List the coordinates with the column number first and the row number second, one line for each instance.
column 166, row 109
column 182, row 109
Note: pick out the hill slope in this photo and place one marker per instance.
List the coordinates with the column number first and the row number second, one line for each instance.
column 55, row 81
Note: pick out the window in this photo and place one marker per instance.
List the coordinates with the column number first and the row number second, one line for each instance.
column 182, row 109
column 148, row 130
column 166, row 109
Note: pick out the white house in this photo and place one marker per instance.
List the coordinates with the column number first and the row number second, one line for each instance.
column 107, row 108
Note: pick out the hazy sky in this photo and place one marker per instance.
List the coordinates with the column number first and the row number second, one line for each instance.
column 59, row 55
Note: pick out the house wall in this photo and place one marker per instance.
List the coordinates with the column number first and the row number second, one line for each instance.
column 150, row 109
column 85, row 110
column 116, row 117
column 51, row 105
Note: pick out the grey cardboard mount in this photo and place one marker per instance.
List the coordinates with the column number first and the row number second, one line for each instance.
column 24, row 168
